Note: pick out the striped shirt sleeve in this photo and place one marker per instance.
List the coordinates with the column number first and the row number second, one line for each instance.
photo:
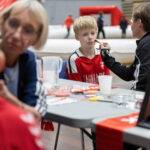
column 41, row 105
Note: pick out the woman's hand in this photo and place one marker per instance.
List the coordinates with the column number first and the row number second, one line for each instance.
column 3, row 90
column 9, row 97
column 32, row 110
column 2, row 61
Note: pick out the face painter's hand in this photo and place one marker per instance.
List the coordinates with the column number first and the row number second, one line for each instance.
column 105, row 50
column 104, row 45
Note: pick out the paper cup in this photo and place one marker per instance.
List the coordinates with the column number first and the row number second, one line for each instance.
column 105, row 82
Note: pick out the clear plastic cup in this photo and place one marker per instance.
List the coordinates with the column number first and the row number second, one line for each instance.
column 118, row 100
column 105, row 82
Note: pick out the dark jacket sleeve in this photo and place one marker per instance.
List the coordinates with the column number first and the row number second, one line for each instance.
column 124, row 72
column 144, row 70
column 30, row 89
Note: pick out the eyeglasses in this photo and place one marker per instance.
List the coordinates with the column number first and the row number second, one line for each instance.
column 27, row 31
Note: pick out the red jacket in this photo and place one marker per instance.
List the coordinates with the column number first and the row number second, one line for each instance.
column 81, row 68
column 68, row 21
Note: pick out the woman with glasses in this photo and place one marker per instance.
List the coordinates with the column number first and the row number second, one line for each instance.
column 140, row 68
column 23, row 24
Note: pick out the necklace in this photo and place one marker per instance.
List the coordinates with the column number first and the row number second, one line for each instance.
column 10, row 73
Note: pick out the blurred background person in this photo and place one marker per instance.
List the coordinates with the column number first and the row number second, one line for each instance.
column 68, row 22
column 123, row 26
column 18, row 33
column 17, row 126
column 100, row 22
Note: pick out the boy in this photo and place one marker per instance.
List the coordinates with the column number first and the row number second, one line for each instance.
column 85, row 64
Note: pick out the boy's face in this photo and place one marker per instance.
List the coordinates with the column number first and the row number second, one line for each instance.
column 87, row 37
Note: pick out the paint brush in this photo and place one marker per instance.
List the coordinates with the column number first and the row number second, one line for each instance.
column 104, row 50
column 98, row 41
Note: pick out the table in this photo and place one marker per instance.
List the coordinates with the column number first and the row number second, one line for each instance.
column 83, row 113
column 137, row 136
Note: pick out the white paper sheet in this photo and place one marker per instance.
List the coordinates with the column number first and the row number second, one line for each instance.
column 60, row 100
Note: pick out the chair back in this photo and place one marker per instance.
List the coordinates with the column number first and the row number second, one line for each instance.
column 63, row 74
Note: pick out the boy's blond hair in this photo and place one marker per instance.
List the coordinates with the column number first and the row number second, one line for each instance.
column 84, row 22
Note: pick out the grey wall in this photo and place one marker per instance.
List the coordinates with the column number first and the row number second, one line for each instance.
column 59, row 9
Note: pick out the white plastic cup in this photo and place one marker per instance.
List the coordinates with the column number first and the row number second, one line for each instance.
column 52, row 66
column 105, row 82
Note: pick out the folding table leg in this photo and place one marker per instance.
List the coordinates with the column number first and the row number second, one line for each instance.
column 92, row 136
column 82, row 139
column 57, row 135
column 94, row 139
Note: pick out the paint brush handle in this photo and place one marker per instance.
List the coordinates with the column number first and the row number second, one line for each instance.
column 98, row 41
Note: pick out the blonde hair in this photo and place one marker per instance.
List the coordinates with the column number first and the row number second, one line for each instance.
column 39, row 12
column 84, row 22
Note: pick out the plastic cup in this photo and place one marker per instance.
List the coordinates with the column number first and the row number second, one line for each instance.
column 105, row 82
column 118, row 100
